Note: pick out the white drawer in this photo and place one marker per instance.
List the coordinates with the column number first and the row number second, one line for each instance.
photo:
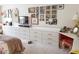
column 50, row 34
column 54, row 38
column 35, row 32
column 51, row 42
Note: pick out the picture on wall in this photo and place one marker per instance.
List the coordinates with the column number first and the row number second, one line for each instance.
column 54, row 11
column 54, row 6
column 34, row 21
column 55, row 21
column 60, row 6
column 54, row 16
column 41, row 17
column 33, row 15
column 42, row 10
column 47, row 15
column 31, row 10
column 37, row 10
column 48, row 12
column 47, row 7
column 51, row 21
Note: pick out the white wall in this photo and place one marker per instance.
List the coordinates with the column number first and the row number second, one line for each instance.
column 64, row 16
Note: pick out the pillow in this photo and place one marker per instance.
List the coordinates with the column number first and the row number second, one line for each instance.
column 3, row 48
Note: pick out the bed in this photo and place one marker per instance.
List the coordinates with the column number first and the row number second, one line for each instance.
column 10, row 45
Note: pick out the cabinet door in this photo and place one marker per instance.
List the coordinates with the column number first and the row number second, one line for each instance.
column 22, row 33
column 35, row 35
column 8, row 30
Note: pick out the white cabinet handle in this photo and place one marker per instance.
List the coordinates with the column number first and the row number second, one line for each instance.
column 49, row 34
column 49, row 38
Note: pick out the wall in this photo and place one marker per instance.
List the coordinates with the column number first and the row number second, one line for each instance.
column 64, row 16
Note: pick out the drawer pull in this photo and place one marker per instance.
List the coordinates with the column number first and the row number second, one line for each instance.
column 49, row 38
column 35, row 32
column 50, row 34
column 35, row 36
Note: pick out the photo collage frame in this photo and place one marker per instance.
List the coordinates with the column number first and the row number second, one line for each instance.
column 48, row 14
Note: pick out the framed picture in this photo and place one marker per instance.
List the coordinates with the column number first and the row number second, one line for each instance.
column 47, row 7
column 54, row 11
column 37, row 10
column 33, row 15
column 54, row 16
column 41, row 17
column 55, row 21
column 48, row 12
column 60, row 6
column 54, row 7
column 47, row 15
column 42, row 10
column 34, row 21
column 31, row 10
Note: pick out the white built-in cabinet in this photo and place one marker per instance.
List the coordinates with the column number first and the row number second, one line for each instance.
column 45, row 36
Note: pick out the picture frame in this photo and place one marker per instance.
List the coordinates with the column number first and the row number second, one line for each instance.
column 60, row 6
column 31, row 10
column 54, row 11
column 41, row 17
column 33, row 15
column 42, row 10
column 55, row 21
column 48, row 7
column 34, row 21
column 54, row 6
column 37, row 10
column 48, row 12
column 54, row 16
column 47, row 15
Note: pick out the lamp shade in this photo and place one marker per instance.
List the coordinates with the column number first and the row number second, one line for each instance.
column 75, row 17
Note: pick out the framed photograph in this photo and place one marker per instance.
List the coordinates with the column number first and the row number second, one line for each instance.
column 33, row 15
column 31, row 10
column 47, row 7
column 42, row 10
column 37, row 10
column 55, row 21
column 54, row 11
column 54, row 16
column 47, row 19
column 41, row 17
column 48, row 12
column 47, row 15
column 54, row 7
column 34, row 21
column 60, row 6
